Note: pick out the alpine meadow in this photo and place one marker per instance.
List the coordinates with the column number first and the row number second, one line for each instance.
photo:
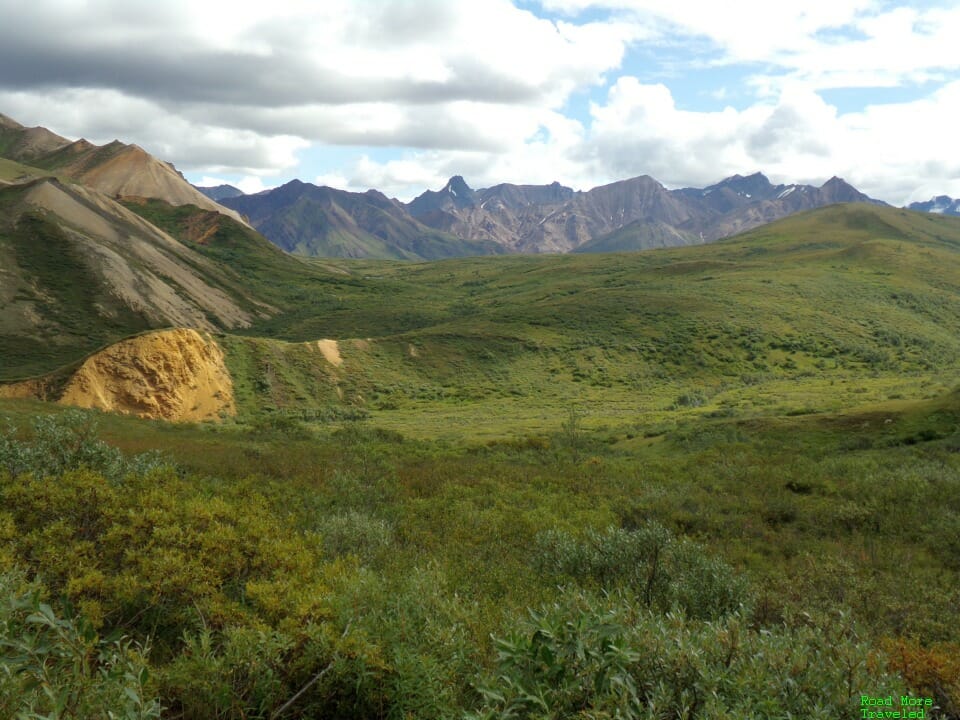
column 641, row 450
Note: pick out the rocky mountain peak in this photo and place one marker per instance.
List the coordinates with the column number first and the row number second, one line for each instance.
column 839, row 190
column 756, row 185
column 458, row 187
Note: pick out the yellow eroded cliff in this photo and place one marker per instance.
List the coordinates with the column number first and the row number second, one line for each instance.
column 169, row 375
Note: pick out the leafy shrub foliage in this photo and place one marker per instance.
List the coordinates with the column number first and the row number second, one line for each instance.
column 58, row 667
column 603, row 657
column 68, row 441
column 361, row 575
column 663, row 572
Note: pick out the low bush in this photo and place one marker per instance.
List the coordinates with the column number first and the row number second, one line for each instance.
column 58, row 667
column 590, row 656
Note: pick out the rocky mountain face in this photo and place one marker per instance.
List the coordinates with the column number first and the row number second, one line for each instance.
column 132, row 266
column 324, row 222
column 115, row 169
column 626, row 215
column 745, row 203
column 79, row 270
column 941, row 204
column 631, row 214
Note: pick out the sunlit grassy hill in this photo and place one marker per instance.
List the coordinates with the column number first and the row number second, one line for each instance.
column 451, row 476
column 838, row 307
column 828, row 309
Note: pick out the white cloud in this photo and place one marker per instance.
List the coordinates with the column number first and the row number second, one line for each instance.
column 549, row 155
column 894, row 152
column 825, row 43
column 239, row 89
column 231, row 87
column 102, row 115
column 747, row 30
column 886, row 150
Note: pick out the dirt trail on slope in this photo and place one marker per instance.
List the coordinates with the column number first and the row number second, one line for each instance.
column 176, row 375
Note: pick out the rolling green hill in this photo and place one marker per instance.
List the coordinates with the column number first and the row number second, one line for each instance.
column 728, row 471
column 839, row 306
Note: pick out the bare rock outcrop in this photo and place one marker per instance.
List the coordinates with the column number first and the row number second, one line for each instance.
column 177, row 375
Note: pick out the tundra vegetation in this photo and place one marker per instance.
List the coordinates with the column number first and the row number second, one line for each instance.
column 705, row 483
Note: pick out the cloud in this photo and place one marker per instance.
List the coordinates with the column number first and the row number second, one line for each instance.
column 886, row 150
column 894, row 152
column 105, row 115
column 219, row 86
column 824, row 43
column 249, row 184
column 547, row 155
column 293, row 54
column 483, row 89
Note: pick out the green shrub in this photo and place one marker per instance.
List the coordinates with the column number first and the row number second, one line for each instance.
column 661, row 571
column 68, row 441
column 603, row 657
column 59, row 667
column 355, row 533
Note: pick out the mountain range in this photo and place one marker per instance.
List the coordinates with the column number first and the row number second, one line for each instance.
column 321, row 221
column 98, row 242
column 457, row 220
column 942, row 205
column 632, row 214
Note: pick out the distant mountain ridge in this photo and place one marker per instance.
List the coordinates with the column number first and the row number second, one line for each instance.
column 941, row 204
column 304, row 219
column 639, row 212
column 314, row 221
column 220, row 192
column 632, row 214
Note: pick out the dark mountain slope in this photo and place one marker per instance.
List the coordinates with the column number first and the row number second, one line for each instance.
column 220, row 192
column 941, row 204
column 321, row 221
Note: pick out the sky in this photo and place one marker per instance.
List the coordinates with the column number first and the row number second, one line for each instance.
column 399, row 95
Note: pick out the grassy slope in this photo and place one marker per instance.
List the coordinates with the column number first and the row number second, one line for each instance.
column 75, row 314
column 838, row 307
column 12, row 171
column 784, row 397
column 638, row 235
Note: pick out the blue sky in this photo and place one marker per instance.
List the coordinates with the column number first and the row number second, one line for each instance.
column 401, row 94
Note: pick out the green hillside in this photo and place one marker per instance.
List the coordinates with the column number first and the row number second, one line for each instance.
column 80, row 272
column 719, row 481
column 638, row 235
column 833, row 308
column 12, row 171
